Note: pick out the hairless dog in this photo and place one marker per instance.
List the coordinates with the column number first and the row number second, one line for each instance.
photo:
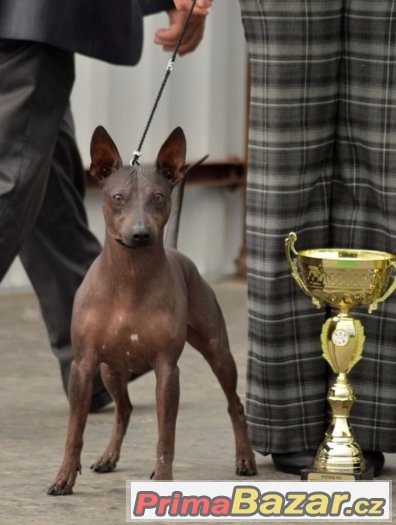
column 137, row 306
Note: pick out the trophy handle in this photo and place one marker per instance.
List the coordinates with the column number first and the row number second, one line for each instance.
column 373, row 306
column 292, row 256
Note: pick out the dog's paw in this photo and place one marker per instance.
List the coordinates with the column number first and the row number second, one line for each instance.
column 162, row 474
column 56, row 490
column 246, row 466
column 101, row 467
column 63, row 484
column 106, row 463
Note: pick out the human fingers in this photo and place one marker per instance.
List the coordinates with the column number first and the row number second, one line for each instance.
column 201, row 7
column 168, row 37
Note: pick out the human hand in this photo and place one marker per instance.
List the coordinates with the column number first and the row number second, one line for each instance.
column 167, row 38
column 201, row 7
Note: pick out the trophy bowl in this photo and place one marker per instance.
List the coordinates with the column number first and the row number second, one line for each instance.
column 341, row 278
column 365, row 274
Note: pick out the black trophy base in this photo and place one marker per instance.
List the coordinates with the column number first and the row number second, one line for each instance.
column 315, row 474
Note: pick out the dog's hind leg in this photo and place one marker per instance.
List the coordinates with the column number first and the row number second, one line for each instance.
column 215, row 349
column 117, row 386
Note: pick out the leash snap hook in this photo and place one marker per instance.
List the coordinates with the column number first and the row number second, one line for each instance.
column 135, row 158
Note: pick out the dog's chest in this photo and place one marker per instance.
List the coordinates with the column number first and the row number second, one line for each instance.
column 132, row 339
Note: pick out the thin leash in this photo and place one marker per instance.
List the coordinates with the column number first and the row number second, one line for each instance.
column 137, row 154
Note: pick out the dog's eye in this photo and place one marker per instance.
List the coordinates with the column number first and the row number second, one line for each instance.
column 118, row 199
column 158, row 198
column 167, row 173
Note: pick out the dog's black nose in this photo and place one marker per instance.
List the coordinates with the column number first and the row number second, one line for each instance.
column 141, row 235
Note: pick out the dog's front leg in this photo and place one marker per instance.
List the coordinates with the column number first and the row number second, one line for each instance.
column 79, row 393
column 167, row 395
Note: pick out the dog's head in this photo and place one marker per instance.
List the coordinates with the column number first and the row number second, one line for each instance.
column 136, row 201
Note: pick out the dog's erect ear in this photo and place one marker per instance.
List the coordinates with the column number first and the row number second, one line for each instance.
column 104, row 155
column 172, row 156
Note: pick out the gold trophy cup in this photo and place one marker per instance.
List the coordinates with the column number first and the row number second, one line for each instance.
column 343, row 279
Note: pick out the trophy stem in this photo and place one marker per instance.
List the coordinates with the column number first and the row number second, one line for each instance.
column 339, row 456
column 339, row 451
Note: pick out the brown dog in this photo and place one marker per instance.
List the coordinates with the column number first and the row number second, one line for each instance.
column 138, row 305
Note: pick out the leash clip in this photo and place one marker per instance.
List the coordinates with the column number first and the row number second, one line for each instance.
column 135, row 158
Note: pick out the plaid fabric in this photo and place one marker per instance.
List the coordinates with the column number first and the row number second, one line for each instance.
column 322, row 162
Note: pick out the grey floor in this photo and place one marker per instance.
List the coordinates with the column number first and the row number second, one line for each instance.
column 33, row 414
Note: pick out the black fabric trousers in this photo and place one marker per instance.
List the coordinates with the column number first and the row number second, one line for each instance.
column 42, row 216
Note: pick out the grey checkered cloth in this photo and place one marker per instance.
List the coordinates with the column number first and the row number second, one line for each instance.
column 322, row 162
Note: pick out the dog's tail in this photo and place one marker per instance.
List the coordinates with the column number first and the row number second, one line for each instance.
column 172, row 230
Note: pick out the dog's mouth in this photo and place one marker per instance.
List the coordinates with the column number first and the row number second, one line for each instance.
column 135, row 245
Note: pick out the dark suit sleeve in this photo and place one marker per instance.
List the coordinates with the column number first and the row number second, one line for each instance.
column 149, row 7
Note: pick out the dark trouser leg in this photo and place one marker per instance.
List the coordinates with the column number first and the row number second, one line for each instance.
column 35, row 140
column 294, row 50
column 34, row 92
column 60, row 248
column 364, row 199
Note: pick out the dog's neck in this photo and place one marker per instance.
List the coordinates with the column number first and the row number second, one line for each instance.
column 137, row 265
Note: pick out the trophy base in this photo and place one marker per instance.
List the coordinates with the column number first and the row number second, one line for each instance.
column 315, row 474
